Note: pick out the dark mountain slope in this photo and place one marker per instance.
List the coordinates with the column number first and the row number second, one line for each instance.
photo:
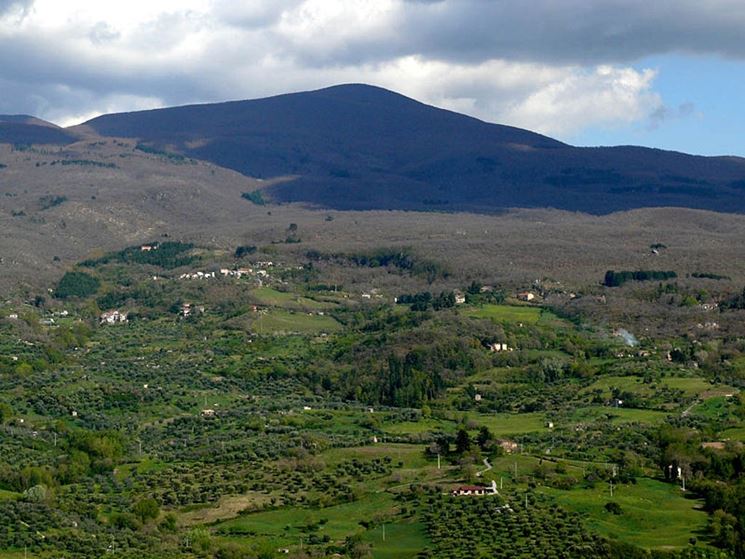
column 363, row 147
column 25, row 129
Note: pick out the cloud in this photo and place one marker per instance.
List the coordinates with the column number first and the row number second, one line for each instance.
column 663, row 114
column 14, row 7
column 557, row 67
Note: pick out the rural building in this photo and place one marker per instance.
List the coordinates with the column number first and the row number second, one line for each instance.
column 526, row 296
column 469, row 490
column 475, row 490
column 508, row 446
column 460, row 297
column 113, row 317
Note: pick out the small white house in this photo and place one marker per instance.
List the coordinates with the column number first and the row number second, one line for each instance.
column 113, row 317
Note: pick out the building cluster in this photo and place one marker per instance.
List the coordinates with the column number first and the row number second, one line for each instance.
column 113, row 317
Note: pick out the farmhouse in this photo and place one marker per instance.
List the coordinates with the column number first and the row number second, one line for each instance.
column 508, row 446
column 460, row 297
column 469, row 490
column 113, row 317
column 475, row 490
column 526, row 296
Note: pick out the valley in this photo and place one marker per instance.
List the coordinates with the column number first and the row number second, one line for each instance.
column 297, row 409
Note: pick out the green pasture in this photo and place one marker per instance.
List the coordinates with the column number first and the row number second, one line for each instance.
column 287, row 526
column 500, row 424
column 403, row 540
column 279, row 321
column 273, row 298
column 505, row 313
column 616, row 415
column 655, row 515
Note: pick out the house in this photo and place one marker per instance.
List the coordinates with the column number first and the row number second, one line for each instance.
column 148, row 248
column 460, row 297
column 208, row 413
column 496, row 347
column 469, row 490
column 113, row 317
column 475, row 490
column 526, row 296
column 508, row 446
column 477, row 397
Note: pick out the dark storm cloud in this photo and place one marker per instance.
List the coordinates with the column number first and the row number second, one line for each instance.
column 549, row 31
column 494, row 58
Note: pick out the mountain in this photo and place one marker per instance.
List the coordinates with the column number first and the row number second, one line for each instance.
column 363, row 147
column 27, row 130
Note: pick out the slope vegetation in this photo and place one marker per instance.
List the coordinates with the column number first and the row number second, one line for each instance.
column 362, row 147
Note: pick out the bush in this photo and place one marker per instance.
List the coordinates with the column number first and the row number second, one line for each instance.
column 255, row 197
column 146, row 509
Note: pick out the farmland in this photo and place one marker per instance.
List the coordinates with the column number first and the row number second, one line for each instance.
column 288, row 412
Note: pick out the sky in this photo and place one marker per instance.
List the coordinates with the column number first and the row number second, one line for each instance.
column 659, row 73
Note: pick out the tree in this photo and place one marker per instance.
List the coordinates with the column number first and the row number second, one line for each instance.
column 146, row 509
column 6, row 412
column 723, row 529
column 462, row 441
column 484, row 437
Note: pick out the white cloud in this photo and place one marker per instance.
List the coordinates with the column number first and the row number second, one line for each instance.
column 74, row 59
column 605, row 96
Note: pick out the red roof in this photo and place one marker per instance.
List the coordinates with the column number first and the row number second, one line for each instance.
column 471, row 488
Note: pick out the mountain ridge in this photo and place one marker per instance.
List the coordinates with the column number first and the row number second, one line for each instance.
column 364, row 147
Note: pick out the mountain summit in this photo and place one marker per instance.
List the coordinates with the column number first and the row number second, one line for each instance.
column 363, row 147
column 26, row 130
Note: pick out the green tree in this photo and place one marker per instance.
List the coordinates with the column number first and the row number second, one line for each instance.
column 484, row 437
column 146, row 509
column 462, row 441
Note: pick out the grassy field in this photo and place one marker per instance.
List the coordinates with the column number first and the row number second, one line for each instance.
column 655, row 515
column 505, row 313
column 274, row 298
column 505, row 424
column 402, row 540
column 617, row 415
column 282, row 321
column 411, row 455
column 689, row 386
column 286, row 527
column 500, row 424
